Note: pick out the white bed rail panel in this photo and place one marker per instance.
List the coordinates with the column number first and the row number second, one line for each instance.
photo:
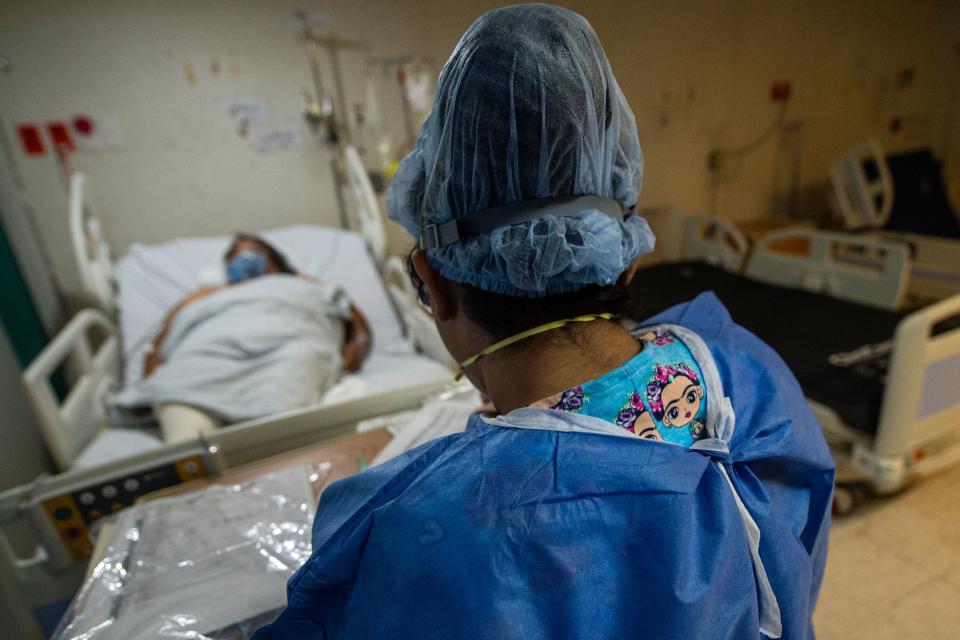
column 68, row 426
column 862, row 200
column 861, row 269
column 715, row 241
column 90, row 248
column 921, row 402
column 936, row 263
column 364, row 204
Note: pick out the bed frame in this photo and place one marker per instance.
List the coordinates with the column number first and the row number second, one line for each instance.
column 865, row 201
column 918, row 432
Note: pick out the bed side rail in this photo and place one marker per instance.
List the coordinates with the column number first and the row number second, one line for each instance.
column 716, row 242
column 935, row 270
column 67, row 425
column 921, row 402
column 861, row 269
column 364, row 204
column 418, row 325
column 90, row 248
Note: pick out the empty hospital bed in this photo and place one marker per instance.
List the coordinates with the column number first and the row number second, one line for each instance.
column 902, row 198
column 882, row 382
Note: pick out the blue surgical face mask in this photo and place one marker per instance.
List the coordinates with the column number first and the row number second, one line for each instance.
column 245, row 265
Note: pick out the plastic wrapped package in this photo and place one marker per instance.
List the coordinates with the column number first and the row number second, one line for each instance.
column 211, row 564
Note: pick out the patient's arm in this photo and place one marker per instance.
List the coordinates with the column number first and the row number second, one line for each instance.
column 153, row 358
column 357, row 340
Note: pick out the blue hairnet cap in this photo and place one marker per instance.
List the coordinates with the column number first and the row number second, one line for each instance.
column 526, row 108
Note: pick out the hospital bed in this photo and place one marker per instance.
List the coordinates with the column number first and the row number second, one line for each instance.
column 881, row 381
column 150, row 279
column 106, row 469
column 901, row 198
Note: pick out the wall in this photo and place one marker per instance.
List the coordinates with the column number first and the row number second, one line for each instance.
column 696, row 73
column 163, row 69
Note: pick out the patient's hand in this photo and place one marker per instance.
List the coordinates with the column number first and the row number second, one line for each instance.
column 151, row 362
column 352, row 355
column 357, row 341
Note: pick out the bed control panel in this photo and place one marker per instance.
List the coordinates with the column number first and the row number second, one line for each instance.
column 73, row 513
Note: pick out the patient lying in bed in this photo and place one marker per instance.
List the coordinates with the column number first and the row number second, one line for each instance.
column 269, row 341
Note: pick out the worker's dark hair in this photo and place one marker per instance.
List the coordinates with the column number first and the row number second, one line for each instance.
column 272, row 253
column 503, row 316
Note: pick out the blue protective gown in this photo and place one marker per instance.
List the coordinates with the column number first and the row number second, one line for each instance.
column 555, row 529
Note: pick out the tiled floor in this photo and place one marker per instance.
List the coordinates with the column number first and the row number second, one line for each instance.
column 894, row 567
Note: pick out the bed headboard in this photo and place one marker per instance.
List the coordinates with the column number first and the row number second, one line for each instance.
column 862, row 186
column 715, row 241
column 858, row 268
column 90, row 249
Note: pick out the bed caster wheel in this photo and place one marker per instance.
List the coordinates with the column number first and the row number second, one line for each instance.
column 846, row 499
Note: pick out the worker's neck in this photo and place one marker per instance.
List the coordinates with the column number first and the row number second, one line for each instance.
column 517, row 377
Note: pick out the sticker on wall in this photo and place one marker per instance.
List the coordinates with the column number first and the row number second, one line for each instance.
column 31, row 140
column 60, row 137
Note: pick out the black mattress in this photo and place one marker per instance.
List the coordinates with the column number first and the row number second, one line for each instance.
column 838, row 350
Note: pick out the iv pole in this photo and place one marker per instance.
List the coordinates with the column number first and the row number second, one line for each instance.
column 320, row 110
column 399, row 63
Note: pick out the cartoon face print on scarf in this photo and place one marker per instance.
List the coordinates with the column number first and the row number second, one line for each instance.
column 656, row 395
column 675, row 397
column 635, row 418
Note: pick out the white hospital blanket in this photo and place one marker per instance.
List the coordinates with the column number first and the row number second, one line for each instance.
column 250, row 350
column 153, row 278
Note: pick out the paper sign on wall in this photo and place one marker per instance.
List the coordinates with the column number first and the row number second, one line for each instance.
column 253, row 124
column 276, row 139
column 248, row 113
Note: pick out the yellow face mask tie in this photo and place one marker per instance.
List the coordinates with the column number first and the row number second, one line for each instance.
column 529, row 333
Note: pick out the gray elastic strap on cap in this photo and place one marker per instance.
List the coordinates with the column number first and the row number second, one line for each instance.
column 440, row 235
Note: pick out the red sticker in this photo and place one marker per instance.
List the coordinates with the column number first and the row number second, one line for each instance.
column 31, row 140
column 60, row 136
column 83, row 125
